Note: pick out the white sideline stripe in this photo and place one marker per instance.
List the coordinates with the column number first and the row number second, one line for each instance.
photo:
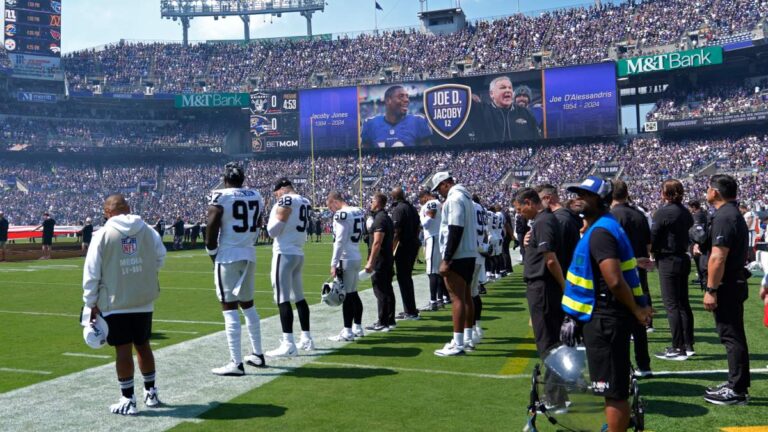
column 98, row 356
column 24, row 371
column 75, row 316
column 703, row 372
column 172, row 288
column 186, row 384
column 426, row 371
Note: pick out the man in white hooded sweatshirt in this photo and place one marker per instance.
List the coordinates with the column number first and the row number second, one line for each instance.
column 120, row 283
column 458, row 247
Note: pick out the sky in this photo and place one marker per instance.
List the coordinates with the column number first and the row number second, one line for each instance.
column 93, row 23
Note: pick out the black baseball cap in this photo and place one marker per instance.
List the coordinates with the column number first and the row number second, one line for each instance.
column 281, row 183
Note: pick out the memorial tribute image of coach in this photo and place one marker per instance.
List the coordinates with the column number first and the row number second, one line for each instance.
column 395, row 128
column 501, row 119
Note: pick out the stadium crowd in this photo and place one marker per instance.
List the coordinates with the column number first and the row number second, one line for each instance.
column 72, row 191
column 497, row 45
column 710, row 101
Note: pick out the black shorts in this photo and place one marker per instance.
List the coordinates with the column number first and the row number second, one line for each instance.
column 607, row 342
column 47, row 241
column 129, row 328
column 465, row 267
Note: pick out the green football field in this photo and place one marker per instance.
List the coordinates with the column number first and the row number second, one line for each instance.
column 383, row 382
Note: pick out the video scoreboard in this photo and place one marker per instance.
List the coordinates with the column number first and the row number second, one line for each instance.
column 33, row 27
column 274, row 119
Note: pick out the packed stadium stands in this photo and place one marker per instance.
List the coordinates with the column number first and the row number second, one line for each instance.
column 73, row 191
column 490, row 45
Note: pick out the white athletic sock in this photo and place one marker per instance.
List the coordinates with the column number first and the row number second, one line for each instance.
column 477, row 325
column 233, row 330
column 288, row 337
column 357, row 327
column 306, row 335
column 468, row 334
column 347, row 330
column 458, row 339
column 252, row 321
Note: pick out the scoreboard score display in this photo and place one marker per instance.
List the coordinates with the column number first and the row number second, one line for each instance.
column 33, row 27
column 274, row 120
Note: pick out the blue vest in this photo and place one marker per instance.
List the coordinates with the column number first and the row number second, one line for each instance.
column 579, row 296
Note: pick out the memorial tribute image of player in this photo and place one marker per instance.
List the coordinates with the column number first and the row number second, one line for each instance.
column 501, row 119
column 395, row 128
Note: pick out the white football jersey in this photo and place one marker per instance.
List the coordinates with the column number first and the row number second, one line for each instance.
column 496, row 226
column 291, row 240
column 481, row 223
column 431, row 225
column 347, row 233
column 241, row 209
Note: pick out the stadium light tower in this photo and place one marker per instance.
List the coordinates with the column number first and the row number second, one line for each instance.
column 186, row 10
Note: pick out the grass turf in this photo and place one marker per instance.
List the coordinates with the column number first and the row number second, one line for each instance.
column 397, row 383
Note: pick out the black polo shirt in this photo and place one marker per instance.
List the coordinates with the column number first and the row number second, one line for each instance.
column 545, row 237
column 700, row 218
column 730, row 230
column 178, row 228
column 636, row 226
column 406, row 219
column 87, row 233
column 669, row 234
column 603, row 246
column 383, row 223
column 570, row 228
column 3, row 229
column 48, row 225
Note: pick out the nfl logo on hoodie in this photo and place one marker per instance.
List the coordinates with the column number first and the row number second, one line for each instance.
column 129, row 245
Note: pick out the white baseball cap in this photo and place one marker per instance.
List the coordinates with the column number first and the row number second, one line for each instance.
column 94, row 333
column 438, row 178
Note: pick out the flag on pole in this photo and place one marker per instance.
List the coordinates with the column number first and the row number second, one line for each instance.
column 378, row 6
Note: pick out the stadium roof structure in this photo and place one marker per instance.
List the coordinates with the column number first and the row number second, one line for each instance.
column 186, row 10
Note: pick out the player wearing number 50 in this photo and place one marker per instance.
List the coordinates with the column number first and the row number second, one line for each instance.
column 287, row 224
column 233, row 221
column 348, row 224
column 396, row 128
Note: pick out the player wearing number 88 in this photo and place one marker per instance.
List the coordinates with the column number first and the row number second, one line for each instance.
column 233, row 219
column 288, row 224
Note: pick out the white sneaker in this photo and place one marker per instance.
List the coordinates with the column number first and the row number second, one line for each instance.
column 450, row 349
column 286, row 349
column 307, row 344
column 256, row 360
column 358, row 333
column 229, row 369
column 342, row 337
column 469, row 345
column 151, row 398
column 478, row 334
column 124, row 406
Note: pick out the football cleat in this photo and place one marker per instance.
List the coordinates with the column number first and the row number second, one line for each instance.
column 125, row 406
column 343, row 336
column 286, row 349
column 450, row 349
column 726, row 396
column 377, row 326
column 229, row 369
column 307, row 344
column 256, row 360
column 151, row 398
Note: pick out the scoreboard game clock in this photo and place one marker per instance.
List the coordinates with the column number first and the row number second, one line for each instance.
column 274, row 119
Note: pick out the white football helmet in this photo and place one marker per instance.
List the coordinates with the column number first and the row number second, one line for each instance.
column 333, row 293
column 95, row 333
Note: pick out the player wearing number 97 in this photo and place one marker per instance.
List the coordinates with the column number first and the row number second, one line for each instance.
column 348, row 225
column 288, row 223
column 233, row 220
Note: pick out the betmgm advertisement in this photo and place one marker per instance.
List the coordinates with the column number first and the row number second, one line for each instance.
column 492, row 109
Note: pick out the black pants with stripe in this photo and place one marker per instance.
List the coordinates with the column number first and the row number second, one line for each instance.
column 384, row 292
